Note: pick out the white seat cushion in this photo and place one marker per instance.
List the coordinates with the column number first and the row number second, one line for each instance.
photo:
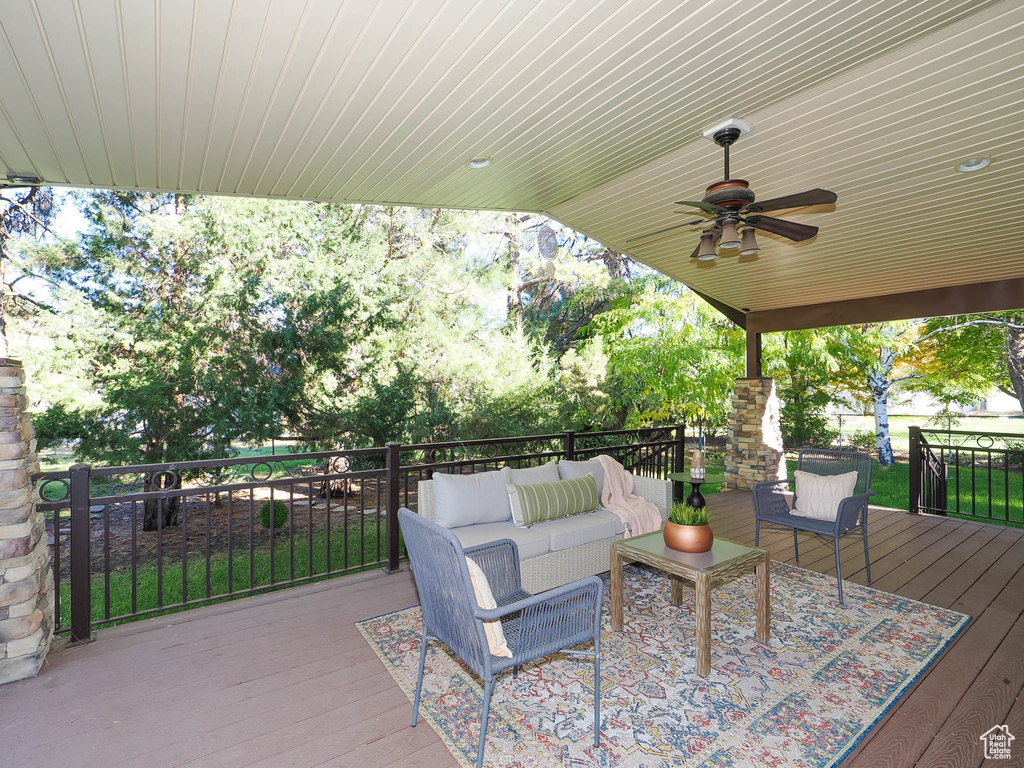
column 615, row 520
column 530, row 542
column 569, row 532
column 819, row 496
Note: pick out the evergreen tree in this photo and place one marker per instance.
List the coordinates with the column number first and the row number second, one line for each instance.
column 192, row 342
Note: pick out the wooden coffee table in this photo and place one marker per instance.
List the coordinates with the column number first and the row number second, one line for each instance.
column 727, row 560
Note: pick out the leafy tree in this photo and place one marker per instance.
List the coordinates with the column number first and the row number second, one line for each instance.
column 557, row 291
column 874, row 358
column 804, row 364
column 26, row 216
column 194, row 343
column 670, row 356
column 976, row 352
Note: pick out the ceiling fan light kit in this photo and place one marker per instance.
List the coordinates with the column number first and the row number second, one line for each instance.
column 706, row 249
column 748, row 243
column 730, row 235
column 729, row 203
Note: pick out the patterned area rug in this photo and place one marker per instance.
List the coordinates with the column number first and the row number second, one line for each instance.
column 802, row 701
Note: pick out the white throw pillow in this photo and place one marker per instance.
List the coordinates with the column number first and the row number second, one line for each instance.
column 485, row 599
column 470, row 499
column 545, row 473
column 819, row 496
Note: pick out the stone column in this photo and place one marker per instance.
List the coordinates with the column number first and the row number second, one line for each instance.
column 26, row 579
column 753, row 448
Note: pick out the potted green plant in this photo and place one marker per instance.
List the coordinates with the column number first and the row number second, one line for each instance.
column 687, row 529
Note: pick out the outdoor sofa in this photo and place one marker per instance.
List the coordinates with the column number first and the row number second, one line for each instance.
column 551, row 553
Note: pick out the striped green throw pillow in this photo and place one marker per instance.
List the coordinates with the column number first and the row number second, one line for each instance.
column 538, row 502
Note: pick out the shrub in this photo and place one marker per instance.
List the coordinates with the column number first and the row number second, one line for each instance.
column 803, row 426
column 280, row 514
column 862, row 439
column 684, row 514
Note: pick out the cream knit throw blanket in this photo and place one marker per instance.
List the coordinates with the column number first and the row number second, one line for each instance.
column 638, row 515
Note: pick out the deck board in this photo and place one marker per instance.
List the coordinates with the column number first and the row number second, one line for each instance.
column 286, row 679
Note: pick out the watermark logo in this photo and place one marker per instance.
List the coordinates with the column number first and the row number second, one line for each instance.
column 997, row 742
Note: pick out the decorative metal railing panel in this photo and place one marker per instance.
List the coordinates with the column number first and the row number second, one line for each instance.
column 140, row 540
column 967, row 473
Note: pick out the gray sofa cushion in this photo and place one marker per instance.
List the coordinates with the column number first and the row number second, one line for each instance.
column 614, row 519
column 567, row 469
column 545, row 473
column 530, row 542
column 470, row 499
column 568, row 532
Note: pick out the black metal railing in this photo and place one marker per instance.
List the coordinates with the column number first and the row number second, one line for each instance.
column 135, row 541
column 967, row 473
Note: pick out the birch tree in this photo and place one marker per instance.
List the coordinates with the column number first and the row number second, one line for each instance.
column 878, row 357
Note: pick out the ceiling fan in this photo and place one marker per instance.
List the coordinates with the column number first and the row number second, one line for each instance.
column 730, row 203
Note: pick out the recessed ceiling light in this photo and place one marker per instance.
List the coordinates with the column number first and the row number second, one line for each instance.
column 974, row 164
column 479, row 162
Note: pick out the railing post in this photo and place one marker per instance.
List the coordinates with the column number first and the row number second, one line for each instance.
column 81, row 575
column 569, row 445
column 915, row 471
column 679, row 462
column 391, row 549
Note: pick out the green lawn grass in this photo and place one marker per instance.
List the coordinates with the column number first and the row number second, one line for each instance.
column 899, row 427
column 354, row 557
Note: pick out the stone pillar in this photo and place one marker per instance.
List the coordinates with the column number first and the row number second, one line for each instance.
column 753, row 448
column 26, row 579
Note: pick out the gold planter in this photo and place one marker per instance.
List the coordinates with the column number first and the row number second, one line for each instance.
column 688, row 538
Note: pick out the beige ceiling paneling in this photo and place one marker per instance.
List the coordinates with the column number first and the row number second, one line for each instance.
column 886, row 138
column 592, row 112
column 139, row 51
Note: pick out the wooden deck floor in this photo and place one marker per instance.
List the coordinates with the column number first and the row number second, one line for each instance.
column 286, row 680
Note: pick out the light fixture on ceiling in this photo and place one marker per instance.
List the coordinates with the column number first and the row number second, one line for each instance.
column 707, row 245
column 479, row 162
column 974, row 164
column 730, row 237
column 24, row 178
column 748, row 243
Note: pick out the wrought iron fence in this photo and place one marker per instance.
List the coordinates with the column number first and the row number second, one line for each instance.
column 967, row 473
column 140, row 540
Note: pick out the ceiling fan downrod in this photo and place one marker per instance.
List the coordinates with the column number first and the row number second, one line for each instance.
column 725, row 138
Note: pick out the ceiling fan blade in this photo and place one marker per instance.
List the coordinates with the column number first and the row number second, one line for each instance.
column 789, row 229
column 714, row 210
column 799, row 200
column 695, row 252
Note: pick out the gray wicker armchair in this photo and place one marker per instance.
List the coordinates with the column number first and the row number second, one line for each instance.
column 534, row 625
column 773, row 511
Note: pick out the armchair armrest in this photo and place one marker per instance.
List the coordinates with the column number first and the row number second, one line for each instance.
column 850, row 510
column 499, row 560
column 770, row 499
column 554, row 619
